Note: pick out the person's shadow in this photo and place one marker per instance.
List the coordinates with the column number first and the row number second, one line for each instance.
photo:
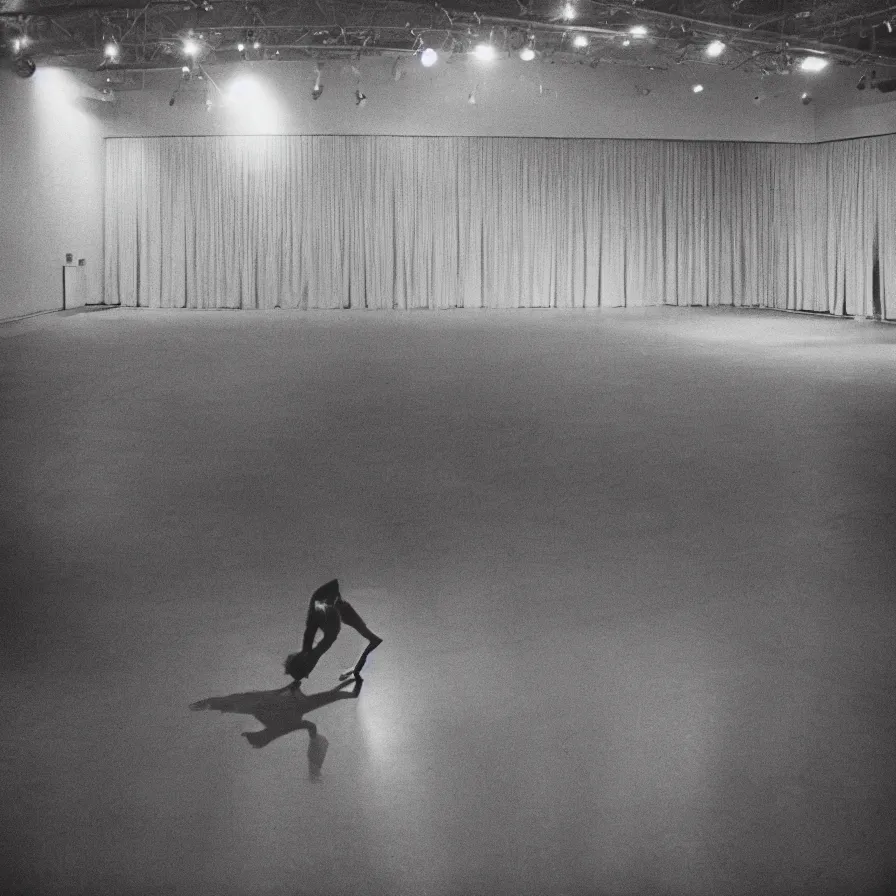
column 281, row 712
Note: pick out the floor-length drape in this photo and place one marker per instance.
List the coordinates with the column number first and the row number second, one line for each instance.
column 443, row 222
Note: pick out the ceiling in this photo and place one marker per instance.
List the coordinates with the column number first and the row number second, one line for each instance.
column 765, row 35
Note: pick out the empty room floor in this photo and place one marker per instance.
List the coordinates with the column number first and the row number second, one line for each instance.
column 634, row 572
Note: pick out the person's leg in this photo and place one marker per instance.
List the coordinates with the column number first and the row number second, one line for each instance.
column 350, row 617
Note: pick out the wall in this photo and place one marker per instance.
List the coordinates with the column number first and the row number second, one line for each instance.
column 514, row 98
column 51, row 178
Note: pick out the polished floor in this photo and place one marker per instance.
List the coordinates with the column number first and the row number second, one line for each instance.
column 634, row 571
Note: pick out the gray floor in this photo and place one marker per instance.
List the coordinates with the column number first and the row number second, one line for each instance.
column 634, row 571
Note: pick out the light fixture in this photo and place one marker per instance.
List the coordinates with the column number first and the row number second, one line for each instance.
column 429, row 57
column 580, row 41
column 191, row 48
column 484, row 52
column 24, row 66
column 638, row 31
column 813, row 64
column 716, row 48
column 697, row 88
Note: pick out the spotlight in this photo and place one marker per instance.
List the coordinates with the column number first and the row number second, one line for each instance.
column 716, row 48
column 191, row 48
column 484, row 52
column 697, row 88
column 569, row 12
column 111, row 51
column 24, row 66
column 429, row 57
column 638, row 31
column 580, row 41
column 813, row 64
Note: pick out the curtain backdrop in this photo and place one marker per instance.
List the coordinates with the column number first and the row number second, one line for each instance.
column 443, row 222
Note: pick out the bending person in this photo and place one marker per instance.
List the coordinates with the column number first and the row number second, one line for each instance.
column 326, row 612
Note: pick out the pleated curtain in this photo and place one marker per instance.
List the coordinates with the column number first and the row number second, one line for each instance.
column 449, row 222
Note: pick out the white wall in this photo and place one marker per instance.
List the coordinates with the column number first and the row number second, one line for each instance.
column 51, row 184
column 513, row 99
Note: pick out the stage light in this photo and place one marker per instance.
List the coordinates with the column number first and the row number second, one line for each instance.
column 24, row 66
column 813, row 64
column 484, row 52
column 191, row 48
column 429, row 57
column 111, row 51
column 716, row 48
column 638, row 31
column 580, row 41
column 697, row 88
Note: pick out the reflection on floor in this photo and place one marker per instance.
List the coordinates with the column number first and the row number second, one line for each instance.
column 633, row 570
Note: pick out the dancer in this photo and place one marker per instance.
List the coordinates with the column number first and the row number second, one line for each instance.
column 326, row 612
